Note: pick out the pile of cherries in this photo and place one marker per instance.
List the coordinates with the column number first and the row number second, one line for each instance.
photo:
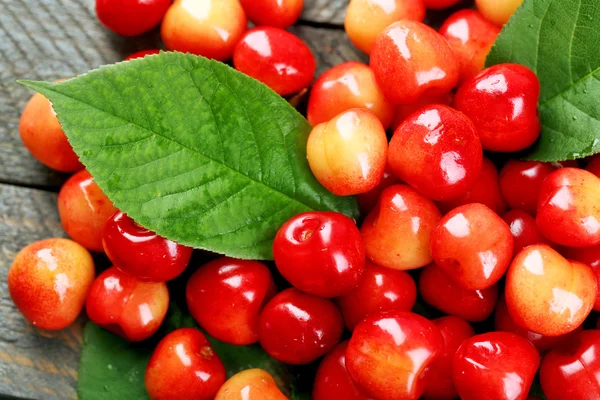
column 438, row 221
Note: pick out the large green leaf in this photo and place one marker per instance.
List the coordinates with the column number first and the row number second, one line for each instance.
column 560, row 41
column 194, row 150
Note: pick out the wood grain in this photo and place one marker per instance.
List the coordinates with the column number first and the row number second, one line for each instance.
column 330, row 12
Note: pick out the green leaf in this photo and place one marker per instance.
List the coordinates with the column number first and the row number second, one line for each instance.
column 194, row 150
column 560, row 41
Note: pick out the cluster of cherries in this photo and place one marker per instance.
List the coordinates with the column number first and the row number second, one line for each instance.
column 436, row 212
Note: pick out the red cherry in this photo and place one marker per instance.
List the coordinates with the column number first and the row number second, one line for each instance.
column 277, row 58
column 320, row 253
column 404, row 111
column 589, row 256
column 367, row 201
column 131, row 17
column 440, row 4
column 277, row 13
column 495, row 365
column 520, row 183
column 524, row 230
column 142, row 253
column 142, row 54
column 226, row 296
column 298, row 328
column 594, row 166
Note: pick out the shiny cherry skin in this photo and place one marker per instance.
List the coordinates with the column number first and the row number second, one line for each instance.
column 473, row 245
column 440, row 4
column 485, row 190
column 380, row 289
column 251, row 384
column 504, row 323
column 440, row 383
column 184, row 366
column 131, row 17
column 142, row 253
column 126, row 306
column 573, row 371
column 83, row 210
column 437, row 151
column 520, row 183
column 589, row 256
column 594, row 166
column 367, row 201
column 348, row 154
column 226, row 296
column 471, row 36
column 366, row 19
column 495, row 365
column 277, row 13
column 568, row 208
column 404, row 111
column 502, row 102
column 332, row 380
column 397, row 231
column 524, row 230
column 441, row 292
column 277, row 58
column 49, row 280
column 298, row 328
column 320, row 253
column 209, row 28
column 410, row 60
column 390, row 352
column 548, row 294
column 142, row 54
column 498, row 11
column 346, row 86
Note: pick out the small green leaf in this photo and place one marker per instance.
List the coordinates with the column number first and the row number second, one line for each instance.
column 194, row 150
column 560, row 41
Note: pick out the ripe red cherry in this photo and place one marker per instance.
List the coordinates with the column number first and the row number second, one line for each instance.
column 380, row 289
column 502, row 102
column 142, row 54
column 277, row 13
column 367, row 201
column 495, row 365
column 346, row 86
column 473, row 245
column 404, row 111
column 568, row 208
column 250, row 384
column 589, row 256
column 573, row 371
column 440, row 384
column 320, row 253
column 226, row 296
column 126, row 306
column 594, row 166
column 440, row 4
column 184, row 366
column 332, row 380
column 298, row 328
column 131, row 17
column 142, row 253
column 520, row 183
column 524, row 230
column 277, row 58
column 410, row 59
column 437, row 151
column 439, row 291
column 389, row 353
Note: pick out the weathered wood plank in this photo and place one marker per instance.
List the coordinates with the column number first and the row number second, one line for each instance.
column 325, row 11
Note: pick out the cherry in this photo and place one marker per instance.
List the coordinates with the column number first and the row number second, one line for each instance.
column 277, row 13
column 520, row 183
column 495, row 365
column 346, row 86
column 48, row 281
column 437, row 151
column 589, row 256
column 397, row 231
column 43, row 136
column 502, row 102
column 524, row 230
column 404, row 111
column 277, row 58
column 210, row 28
column 131, row 17
column 410, row 59
column 440, row 384
column 367, row 201
column 366, row 19
column 547, row 294
column 84, row 210
column 126, row 306
column 298, row 328
column 380, row 289
column 142, row 54
column 226, row 296
column 439, row 291
column 568, row 209
column 184, row 366
column 573, row 371
column 389, row 353
column 332, row 380
column 320, row 253
column 142, row 253
column 473, row 245
column 440, row 4
column 471, row 36
column 348, row 154
column 594, row 166
column 251, row 384
column 498, row 11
